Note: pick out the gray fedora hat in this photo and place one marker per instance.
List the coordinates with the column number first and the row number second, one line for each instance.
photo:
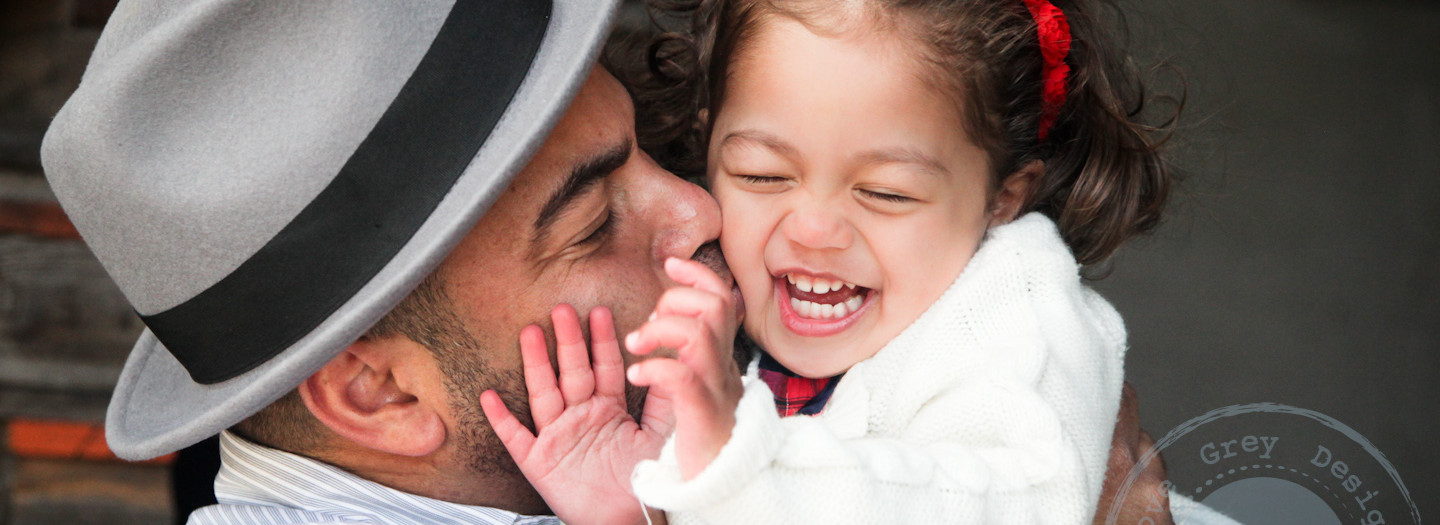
column 264, row 180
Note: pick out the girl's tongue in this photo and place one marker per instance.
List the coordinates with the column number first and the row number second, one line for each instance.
column 821, row 298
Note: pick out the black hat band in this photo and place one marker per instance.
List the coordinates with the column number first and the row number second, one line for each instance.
column 382, row 195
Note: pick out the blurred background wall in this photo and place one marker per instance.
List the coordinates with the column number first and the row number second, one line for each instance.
column 64, row 329
column 1300, row 264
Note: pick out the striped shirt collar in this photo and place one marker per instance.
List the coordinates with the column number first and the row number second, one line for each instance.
column 258, row 485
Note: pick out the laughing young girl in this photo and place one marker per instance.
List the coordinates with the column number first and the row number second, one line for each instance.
column 908, row 190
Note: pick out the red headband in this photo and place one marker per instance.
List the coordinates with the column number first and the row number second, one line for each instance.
column 1054, row 46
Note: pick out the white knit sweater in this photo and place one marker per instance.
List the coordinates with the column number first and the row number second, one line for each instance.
column 996, row 406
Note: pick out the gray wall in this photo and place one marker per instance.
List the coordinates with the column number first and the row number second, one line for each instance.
column 1301, row 264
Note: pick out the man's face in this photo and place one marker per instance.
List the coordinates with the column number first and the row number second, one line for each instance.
column 588, row 222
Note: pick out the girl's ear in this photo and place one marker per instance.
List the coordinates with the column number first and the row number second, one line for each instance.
column 373, row 394
column 1014, row 192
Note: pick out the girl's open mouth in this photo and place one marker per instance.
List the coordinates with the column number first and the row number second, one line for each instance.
column 818, row 306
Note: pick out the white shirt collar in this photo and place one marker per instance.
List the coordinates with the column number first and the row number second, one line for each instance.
column 258, row 485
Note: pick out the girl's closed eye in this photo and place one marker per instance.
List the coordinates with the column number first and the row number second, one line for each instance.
column 760, row 179
column 761, row 184
column 885, row 195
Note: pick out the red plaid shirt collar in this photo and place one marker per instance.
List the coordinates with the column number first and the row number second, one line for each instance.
column 795, row 394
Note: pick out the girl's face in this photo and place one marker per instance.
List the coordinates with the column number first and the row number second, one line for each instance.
column 851, row 195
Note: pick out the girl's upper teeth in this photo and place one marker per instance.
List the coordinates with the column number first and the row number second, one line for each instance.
column 807, row 283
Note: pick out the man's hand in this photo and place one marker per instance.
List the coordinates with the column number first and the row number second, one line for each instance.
column 698, row 321
column 586, row 443
column 1148, row 499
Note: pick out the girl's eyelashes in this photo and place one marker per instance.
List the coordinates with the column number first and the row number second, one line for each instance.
column 762, row 184
column 887, row 197
column 760, row 179
column 770, row 183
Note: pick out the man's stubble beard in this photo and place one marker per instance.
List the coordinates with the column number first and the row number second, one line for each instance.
column 460, row 355
column 466, row 376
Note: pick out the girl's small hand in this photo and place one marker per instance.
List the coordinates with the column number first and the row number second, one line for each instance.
column 698, row 321
column 586, row 443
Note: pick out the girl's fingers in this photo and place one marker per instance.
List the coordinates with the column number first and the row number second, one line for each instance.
column 658, row 416
column 694, row 406
column 577, row 381
column 703, row 424
column 546, row 403
column 692, row 273
column 517, row 439
column 693, row 341
column 669, row 379
column 694, row 302
column 679, row 333
column 605, row 354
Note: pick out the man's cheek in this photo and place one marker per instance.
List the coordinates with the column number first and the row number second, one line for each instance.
column 629, row 320
column 632, row 310
column 629, row 293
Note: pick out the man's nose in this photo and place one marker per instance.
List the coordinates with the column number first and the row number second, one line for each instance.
column 818, row 225
column 686, row 217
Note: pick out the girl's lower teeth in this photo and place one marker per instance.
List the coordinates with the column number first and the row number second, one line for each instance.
column 811, row 310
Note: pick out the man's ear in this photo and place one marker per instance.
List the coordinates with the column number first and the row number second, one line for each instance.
column 375, row 394
column 1014, row 192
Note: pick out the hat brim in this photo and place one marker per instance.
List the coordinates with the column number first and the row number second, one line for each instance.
column 157, row 408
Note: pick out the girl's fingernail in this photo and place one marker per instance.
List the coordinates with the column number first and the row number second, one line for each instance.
column 653, row 315
column 630, row 339
column 632, row 373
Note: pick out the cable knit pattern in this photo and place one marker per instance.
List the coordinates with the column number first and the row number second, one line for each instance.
column 995, row 406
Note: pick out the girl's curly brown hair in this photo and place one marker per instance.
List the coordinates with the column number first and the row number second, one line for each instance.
column 1104, row 180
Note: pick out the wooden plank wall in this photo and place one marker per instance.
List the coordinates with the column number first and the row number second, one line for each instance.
column 64, row 327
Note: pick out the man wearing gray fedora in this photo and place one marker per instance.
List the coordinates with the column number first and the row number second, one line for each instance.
column 335, row 218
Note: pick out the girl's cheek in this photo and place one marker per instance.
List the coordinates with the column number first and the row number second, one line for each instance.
column 740, row 222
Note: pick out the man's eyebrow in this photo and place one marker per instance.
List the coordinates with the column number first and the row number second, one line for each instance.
column 581, row 178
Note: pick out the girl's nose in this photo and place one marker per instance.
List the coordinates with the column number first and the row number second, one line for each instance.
column 819, row 226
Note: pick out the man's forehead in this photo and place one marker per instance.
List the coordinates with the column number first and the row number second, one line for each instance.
column 599, row 119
